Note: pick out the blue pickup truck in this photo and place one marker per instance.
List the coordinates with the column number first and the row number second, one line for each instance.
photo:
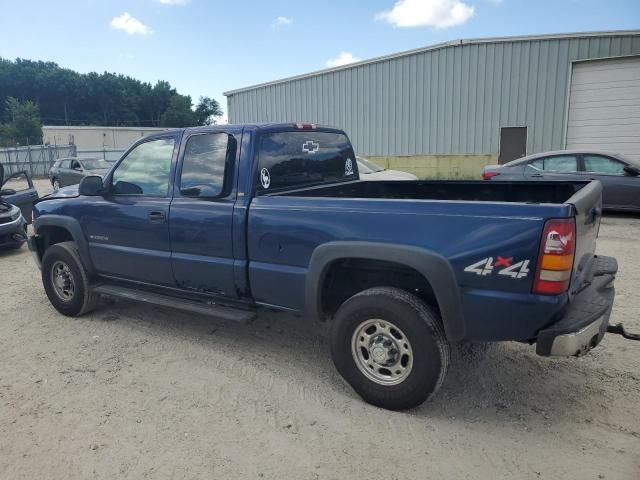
column 231, row 219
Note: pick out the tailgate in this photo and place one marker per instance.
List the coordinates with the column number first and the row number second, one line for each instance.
column 587, row 204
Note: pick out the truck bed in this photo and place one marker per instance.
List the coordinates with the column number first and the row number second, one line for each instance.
column 479, row 191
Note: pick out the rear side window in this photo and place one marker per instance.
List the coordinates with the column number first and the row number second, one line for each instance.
column 303, row 158
column 204, row 164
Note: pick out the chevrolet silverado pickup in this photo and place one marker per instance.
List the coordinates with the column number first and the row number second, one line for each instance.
column 231, row 219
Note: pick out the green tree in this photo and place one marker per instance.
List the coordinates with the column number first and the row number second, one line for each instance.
column 24, row 126
column 65, row 97
column 208, row 111
column 179, row 113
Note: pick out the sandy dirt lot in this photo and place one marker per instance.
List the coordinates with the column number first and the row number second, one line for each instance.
column 134, row 391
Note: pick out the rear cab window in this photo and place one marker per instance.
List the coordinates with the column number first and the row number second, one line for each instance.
column 303, row 158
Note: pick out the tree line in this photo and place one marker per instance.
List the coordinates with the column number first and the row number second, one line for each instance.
column 51, row 95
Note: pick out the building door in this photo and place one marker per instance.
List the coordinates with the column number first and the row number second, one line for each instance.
column 604, row 106
column 513, row 143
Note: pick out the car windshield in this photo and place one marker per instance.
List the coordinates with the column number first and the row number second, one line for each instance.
column 96, row 164
column 367, row 166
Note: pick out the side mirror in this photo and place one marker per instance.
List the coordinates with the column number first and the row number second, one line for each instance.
column 634, row 171
column 91, row 186
column 7, row 192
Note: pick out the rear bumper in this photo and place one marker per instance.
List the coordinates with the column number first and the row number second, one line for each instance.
column 585, row 321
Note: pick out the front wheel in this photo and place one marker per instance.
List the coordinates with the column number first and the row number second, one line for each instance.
column 390, row 347
column 65, row 280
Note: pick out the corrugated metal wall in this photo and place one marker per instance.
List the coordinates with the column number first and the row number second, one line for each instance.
column 450, row 100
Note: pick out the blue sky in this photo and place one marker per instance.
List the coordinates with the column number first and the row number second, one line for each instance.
column 205, row 47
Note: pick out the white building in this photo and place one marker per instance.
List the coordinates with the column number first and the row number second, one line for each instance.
column 95, row 138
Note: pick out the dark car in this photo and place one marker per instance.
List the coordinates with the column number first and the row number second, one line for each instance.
column 69, row 171
column 17, row 195
column 619, row 175
column 230, row 219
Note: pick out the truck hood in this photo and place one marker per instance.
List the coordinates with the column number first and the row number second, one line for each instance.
column 65, row 192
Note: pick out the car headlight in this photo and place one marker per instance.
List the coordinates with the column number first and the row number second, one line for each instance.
column 15, row 215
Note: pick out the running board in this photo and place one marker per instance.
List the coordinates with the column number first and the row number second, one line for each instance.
column 211, row 309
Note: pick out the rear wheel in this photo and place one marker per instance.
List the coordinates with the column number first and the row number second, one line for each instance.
column 65, row 280
column 390, row 347
column 56, row 184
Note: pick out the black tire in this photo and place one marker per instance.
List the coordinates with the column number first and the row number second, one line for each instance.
column 53, row 184
column 413, row 320
column 83, row 299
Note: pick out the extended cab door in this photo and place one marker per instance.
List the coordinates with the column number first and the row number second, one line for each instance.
column 201, row 215
column 128, row 229
column 25, row 194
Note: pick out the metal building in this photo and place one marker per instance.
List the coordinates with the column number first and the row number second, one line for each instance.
column 449, row 109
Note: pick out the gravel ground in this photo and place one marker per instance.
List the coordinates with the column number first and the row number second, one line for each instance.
column 134, row 391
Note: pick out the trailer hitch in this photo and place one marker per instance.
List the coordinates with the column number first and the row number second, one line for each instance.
column 619, row 329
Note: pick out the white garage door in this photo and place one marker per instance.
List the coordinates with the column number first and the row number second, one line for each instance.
column 604, row 106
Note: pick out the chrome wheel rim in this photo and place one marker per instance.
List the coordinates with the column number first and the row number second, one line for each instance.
column 62, row 281
column 382, row 352
column 56, row 185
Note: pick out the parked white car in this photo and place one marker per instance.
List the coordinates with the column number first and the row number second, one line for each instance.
column 372, row 171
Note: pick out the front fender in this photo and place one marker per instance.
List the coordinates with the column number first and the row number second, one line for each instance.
column 435, row 268
column 73, row 227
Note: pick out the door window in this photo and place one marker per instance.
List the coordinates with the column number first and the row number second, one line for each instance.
column 557, row 163
column 75, row 165
column 145, row 170
column 18, row 182
column 65, row 164
column 203, row 166
column 603, row 165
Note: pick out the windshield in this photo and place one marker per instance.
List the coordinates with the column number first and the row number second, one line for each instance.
column 367, row 166
column 96, row 164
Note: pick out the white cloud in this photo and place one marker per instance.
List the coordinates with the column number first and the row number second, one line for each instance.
column 427, row 13
column 281, row 22
column 343, row 59
column 174, row 2
column 129, row 24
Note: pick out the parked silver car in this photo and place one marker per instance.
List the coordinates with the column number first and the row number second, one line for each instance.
column 369, row 170
column 69, row 171
column 619, row 175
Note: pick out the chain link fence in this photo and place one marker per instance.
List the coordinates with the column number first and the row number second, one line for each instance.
column 35, row 159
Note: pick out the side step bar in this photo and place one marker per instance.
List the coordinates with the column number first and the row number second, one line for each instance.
column 227, row 313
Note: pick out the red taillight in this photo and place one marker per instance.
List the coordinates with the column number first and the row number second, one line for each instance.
column 487, row 175
column 305, row 126
column 555, row 262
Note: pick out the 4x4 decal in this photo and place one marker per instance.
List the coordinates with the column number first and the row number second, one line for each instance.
column 487, row 266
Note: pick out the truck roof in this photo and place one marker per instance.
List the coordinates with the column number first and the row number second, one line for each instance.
column 235, row 127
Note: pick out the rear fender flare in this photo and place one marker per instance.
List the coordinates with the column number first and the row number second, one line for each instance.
column 435, row 268
column 73, row 227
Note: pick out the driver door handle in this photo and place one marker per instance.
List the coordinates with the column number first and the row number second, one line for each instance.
column 157, row 216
